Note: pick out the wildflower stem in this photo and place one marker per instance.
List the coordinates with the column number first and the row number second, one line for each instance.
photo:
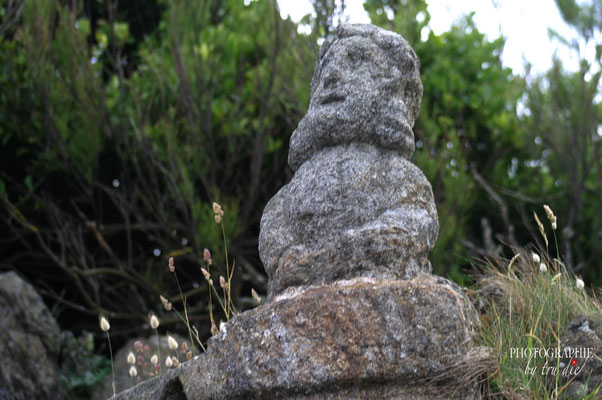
column 556, row 242
column 195, row 335
column 228, row 276
column 210, row 295
column 228, row 289
column 188, row 325
column 217, row 295
column 158, row 349
column 218, row 299
column 112, row 363
column 185, row 310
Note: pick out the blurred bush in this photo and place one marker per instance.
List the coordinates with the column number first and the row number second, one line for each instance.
column 112, row 155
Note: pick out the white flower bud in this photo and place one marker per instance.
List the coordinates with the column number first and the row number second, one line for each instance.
column 133, row 371
column 131, row 358
column 536, row 258
column 154, row 359
column 168, row 362
column 542, row 267
column 171, row 342
column 104, row 324
column 579, row 283
column 255, row 296
column 206, row 274
column 154, row 321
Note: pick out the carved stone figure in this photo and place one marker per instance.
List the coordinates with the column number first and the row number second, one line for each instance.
column 353, row 311
column 366, row 89
column 356, row 206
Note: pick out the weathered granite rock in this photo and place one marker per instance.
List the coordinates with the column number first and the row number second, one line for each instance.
column 348, row 337
column 350, row 211
column 583, row 333
column 29, row 343
column 353, row 311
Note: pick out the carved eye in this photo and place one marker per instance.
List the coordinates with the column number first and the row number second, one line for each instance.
column 355, row 55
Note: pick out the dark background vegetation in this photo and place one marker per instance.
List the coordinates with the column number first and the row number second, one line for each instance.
column 121, row 121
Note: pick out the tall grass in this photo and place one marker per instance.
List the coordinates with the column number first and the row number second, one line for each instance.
column 527, row 305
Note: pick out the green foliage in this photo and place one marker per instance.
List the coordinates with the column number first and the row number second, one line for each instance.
column 81, row 369
column 408, row 18
column 113, row 157
column 583, row 16
column 561, row 124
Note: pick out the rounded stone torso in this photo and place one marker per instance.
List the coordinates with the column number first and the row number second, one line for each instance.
column 349, row 211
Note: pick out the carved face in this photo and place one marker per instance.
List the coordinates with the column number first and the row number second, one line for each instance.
column 357, row 96
column 353, row 70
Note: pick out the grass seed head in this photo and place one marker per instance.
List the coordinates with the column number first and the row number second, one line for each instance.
column 536, row 258
column 171, row 342
column 206, row 274
column 207, row 256
column 255, row 296
column 541, row 228
column 550, row 215
column 104, row 324
column 154, row 321
column 166, row 303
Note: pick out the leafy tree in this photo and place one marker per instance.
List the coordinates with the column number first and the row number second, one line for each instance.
column 562, row 122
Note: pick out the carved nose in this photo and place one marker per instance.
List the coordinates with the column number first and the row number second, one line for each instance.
column 331, row 78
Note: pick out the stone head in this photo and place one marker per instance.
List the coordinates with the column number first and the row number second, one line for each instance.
column 366, row 89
